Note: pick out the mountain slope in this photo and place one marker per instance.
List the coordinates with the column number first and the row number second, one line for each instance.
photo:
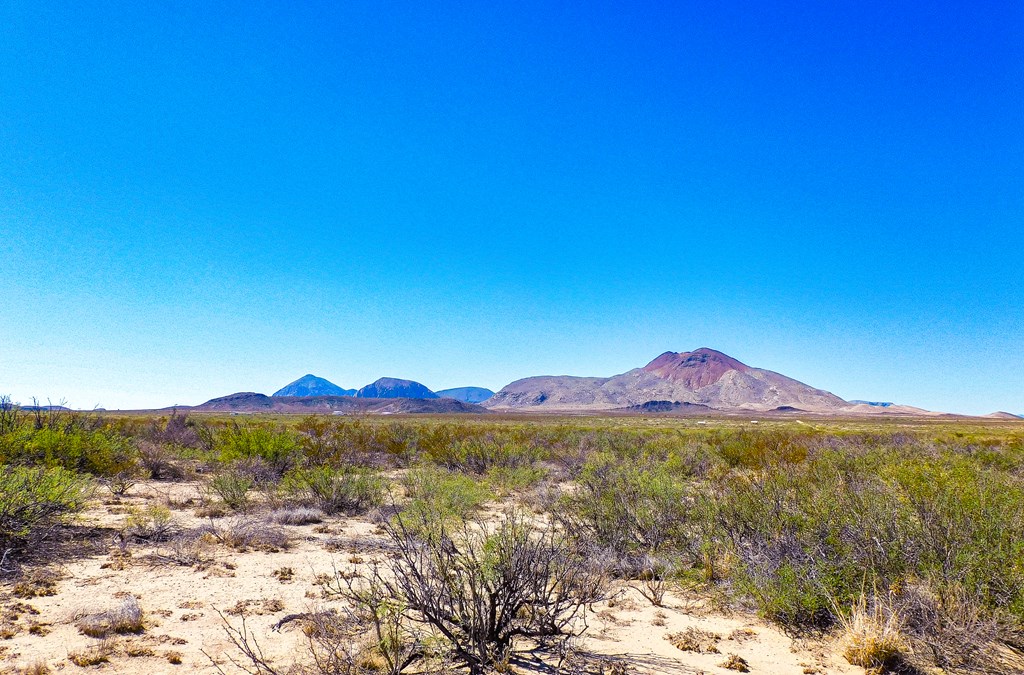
column 467, row 394
column 252, row 402
column 390, row 387
column 311, row 385
column 704, row 376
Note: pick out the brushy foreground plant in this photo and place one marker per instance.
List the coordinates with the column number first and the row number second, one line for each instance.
column 35, row 500
column 465, row 594
column 483, row 588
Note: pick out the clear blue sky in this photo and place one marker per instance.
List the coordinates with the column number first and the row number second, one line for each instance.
column 200, row 198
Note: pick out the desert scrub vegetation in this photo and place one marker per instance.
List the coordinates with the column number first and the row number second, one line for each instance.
column 919, row 525
column 33, row 502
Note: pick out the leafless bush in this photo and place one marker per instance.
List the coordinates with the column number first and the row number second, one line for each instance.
column 179, row 430
column 483, row 589
column 188, row 550
column 479, row 589
column 159, row 462
column 655, row 578
column 10, row 414
column 374, row 633
column 120, row 483
column 254, row 661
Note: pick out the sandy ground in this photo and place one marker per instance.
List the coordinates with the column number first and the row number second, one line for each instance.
column 183, row 606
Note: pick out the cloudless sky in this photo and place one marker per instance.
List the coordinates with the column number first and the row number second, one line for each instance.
column 199, row 198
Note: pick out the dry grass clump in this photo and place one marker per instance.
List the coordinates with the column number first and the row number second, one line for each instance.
column 956, row 631
column 296, row 515
column 37, row 668
column 695, row 640
column 737, row 663
column 256, row 607
column 136, row 651
column 873, row 635
column 127, row 618
column 40, row 583
column 93, row 656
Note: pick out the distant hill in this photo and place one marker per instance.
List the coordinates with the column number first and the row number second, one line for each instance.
column 1002, row 415
column 390, row 387
column 311, row 385
column 253, row 402
column 467, row 394
column 704, row 376
column 668, row 407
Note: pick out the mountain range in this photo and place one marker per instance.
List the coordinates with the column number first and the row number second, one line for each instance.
column 385, row 387
column 254, row 402
column 697, row 382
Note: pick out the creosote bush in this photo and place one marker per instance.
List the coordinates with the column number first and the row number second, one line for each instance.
column 438, row 496
column 347, row 489
column 33, row 501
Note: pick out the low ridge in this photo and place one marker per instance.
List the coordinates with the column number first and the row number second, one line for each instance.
column 467, row 394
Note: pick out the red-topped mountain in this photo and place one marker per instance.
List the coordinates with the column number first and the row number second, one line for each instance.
column 694, row 369
column 702, row 377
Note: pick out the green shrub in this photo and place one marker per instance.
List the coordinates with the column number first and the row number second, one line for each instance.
column 480, row 455
column 806, row 534
column 34, row 500
column 346, row 489
column 440, row 496
column 153, row 523
column 969, row 528
column 96, row 452
column 505, row 480
column 633, row 506
column 233, row 489
column 277, row 447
